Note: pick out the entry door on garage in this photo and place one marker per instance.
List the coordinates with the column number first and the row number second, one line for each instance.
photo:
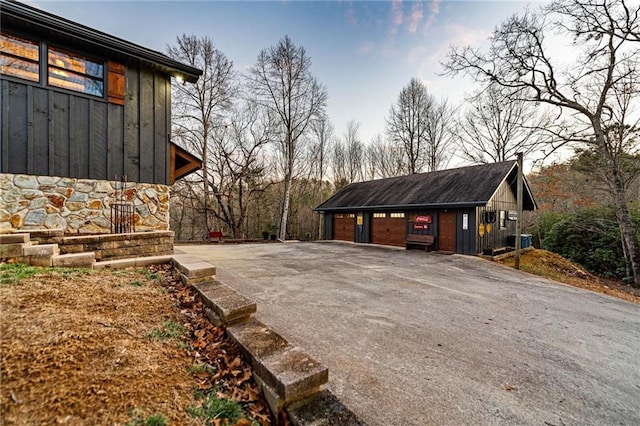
column 447, row 231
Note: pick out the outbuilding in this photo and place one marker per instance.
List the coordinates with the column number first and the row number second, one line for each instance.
column 468, row 210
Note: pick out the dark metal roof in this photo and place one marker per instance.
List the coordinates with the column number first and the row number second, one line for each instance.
column 461, row 187
column 27, row 19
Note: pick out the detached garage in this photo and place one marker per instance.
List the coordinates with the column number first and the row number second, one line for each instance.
column 467, row 210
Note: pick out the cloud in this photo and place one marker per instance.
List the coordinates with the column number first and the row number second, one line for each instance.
column 365, row 47
column 434, row 11
column 396, row 15
column 416, row 17
column 350, row 16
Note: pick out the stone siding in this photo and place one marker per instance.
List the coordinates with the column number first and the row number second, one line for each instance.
column 78, row 206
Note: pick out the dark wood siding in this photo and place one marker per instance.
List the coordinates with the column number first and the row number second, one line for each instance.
column 343, row 228
column 503, row 200
column 328, row 226
column 47, row 131
column 466, row 238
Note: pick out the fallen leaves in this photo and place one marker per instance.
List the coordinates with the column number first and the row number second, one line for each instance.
column 229, row 374
column 74, row 350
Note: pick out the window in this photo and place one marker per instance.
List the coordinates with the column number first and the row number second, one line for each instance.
column 19, row 57
column 350, row 215
column 338, row 216
column 503, row 219
column 379, row 215
column 397, row 215
column 74, row 72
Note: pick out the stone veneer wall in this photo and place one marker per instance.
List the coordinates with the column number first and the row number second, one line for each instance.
column 78, row 206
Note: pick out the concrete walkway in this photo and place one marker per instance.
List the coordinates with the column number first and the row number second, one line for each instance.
column 414, row 338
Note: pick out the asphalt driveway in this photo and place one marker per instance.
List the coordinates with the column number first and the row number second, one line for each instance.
column 415, row 338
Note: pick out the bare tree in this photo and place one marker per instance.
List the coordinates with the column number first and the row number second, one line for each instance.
column 439, row 124
column 339, row 165
column 406, row 124
column 237, row 169
column 494, row 129
column 198, row 107
column 354, row 152
column 322, row 131
column 386, row 158
column 605, row 34
column 282, row 82
column 421, row 125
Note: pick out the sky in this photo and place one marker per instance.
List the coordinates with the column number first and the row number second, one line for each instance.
column 364, row 52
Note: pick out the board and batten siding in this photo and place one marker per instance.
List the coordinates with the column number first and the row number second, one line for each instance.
column 48, row 131
column 503, row 200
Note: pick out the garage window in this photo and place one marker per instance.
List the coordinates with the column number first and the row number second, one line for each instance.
column 349, row 215
column 397, row 215
column 379, row 215
column 338, row 216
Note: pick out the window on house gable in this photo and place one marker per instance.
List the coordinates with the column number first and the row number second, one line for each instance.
column 74, row 72
column 19, row 57
column 503, row 219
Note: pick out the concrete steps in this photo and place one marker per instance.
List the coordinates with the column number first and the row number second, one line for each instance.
column 289, row 377
column 19, row 247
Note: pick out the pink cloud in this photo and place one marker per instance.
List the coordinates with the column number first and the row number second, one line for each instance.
column 365, row 47
column 434, row 11
column 396, row 15
column 350, row 15
column 415, row 18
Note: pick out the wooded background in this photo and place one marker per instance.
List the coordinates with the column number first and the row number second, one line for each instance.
column 271, row 155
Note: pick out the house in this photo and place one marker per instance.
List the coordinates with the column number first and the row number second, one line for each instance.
column 469, row 210
column 81, row 111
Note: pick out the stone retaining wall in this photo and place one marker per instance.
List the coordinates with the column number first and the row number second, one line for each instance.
column 120, row 246
column 79, row 206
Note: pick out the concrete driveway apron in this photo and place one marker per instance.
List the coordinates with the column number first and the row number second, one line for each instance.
column 415, row 338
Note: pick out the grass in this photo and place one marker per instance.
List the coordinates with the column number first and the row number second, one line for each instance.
column 214, row 408
column 13, row 273
column 202, row 368
column 152, row 420
column 168, row 330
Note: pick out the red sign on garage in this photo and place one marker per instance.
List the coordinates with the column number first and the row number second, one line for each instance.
column 423, row 219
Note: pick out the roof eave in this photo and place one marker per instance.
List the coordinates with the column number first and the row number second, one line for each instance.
column 404, row 206
column 103, row 40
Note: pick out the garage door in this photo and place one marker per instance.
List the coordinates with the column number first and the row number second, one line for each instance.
column 343, row 227
column 389, row 229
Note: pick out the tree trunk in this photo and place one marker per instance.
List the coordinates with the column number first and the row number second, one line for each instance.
column 628, row 232
column 285, row 206
column 622, row 209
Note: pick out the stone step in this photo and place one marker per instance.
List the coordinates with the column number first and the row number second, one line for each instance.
column 288, row 371
column 74, row 260
column 41, row 250
column 291, row 373
column 192, row 268
column 14, row 238
column 229, row 305
column 132, row 262
column 13, row 250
